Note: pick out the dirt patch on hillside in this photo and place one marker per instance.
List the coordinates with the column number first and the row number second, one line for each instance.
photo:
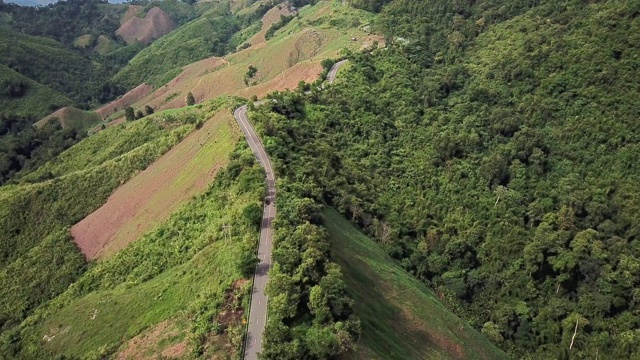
column 288, row 79
column 150, row 197
column 152, row 344
column 272, row 16
column 154, row 25
column 133, row 96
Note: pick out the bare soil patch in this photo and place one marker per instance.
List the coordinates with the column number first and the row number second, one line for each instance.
column 154, row 25
column 133, row 96
column 268, row 19
column 148, row 199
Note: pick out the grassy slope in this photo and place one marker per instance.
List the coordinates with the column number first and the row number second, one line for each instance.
column 401, row 318
column 36, row 102
column 71, row 117
column 30, row 214
column 45, row 60
column 184, row 171
column 161, row 60
column 293, row 54
column 168, row 274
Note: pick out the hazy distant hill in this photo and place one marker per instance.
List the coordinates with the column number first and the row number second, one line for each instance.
column 47, row 2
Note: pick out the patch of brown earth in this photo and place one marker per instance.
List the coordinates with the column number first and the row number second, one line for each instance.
column 154, row 25
column 132, row 11
column 150, row 197
column 148, row 344
column 133, row 96
column 272, row 16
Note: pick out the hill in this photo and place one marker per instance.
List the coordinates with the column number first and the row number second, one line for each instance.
column 180, row 293
column 37, row 254
column 70, row 117
column 293, row 54
column 151, row 196
column 505, row 178
column 207, row 35
column 154, row 25
column 24, row 97
column 401, row 318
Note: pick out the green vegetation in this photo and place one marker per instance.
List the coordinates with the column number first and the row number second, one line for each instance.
column 401, row 318
column 65, row 21
column 39, row 44
column 188, row 269
column 208, row 35
column 24, row 147
column 492, row 150
column 190, row 99
column 250, row 74
column 34, row 217
column 72, row 118
column 310, row 314
column 129, row 114
column 22, row 96
column 284, row 20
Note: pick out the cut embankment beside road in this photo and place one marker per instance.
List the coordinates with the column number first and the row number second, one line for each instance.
column 401, row 318
column 150, row 197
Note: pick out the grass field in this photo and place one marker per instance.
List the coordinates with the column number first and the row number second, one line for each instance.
column 401, row 318
column 71, row 117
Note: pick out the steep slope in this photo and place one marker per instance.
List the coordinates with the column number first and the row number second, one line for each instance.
column 29, row 98
column 150, row 197
column 73, row 118
column 186, row 278
column 293, row 55
column 492, row 149
column 43, row 61
column 401, row 318
column 36, row 259
column 154, row 25
column 207, row 35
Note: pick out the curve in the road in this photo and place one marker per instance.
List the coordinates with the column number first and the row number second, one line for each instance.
column 258, row 308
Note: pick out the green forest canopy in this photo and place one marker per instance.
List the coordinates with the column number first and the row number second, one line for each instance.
column 493, row 150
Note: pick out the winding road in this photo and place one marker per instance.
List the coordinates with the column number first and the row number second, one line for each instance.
column 258, row 308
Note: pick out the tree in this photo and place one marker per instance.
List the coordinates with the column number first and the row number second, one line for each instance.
column 129, row 114
column 148, row 110
column 190, row 99
column 139, row 114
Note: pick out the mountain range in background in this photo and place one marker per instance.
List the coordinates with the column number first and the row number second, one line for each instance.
column 47, row 2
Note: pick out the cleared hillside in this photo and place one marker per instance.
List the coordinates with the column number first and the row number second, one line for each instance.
column 150, row 197
column 180, row 291
column 154, row 25
column 207, row 35
column 37, row 259
column 401, row 318
column 294, row 54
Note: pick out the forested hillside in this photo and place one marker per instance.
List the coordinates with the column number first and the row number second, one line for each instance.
column 492, row 149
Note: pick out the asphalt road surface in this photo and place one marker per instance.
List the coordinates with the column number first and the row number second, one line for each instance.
column 334, row 70
column 258, row 310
